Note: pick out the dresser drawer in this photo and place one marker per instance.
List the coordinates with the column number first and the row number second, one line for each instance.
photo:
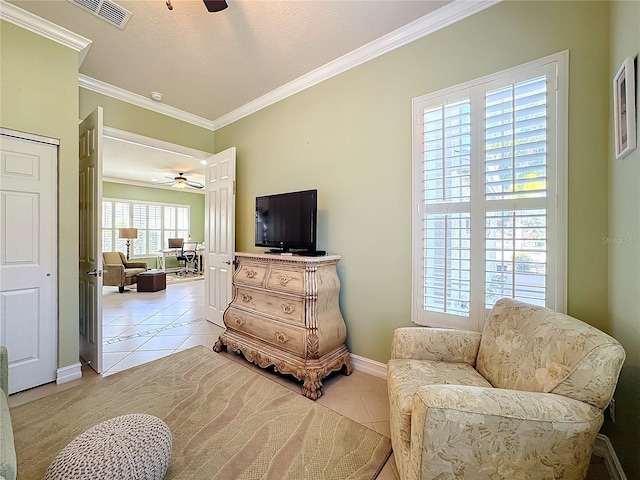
column 272, row 304
column 286, row 280
column 250, row 274
column 287, row 337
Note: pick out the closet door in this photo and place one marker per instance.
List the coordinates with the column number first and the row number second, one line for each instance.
column 28, row 266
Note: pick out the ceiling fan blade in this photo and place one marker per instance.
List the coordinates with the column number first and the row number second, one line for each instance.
column 194, row 184
column 215, row 5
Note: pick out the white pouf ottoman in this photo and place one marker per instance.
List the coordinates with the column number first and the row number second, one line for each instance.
column 132, row 447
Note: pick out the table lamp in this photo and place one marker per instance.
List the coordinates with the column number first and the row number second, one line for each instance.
column 128, row 233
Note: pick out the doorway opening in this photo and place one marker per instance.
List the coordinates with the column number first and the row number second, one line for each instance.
column 138, row 194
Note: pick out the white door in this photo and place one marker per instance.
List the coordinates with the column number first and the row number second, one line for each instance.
column 90, row 262
column 28, row 260
column 220, row 207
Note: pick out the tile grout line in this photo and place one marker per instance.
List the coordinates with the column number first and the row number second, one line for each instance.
column 150, row 331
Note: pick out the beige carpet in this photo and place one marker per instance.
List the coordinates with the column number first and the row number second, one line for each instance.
column 227, row 421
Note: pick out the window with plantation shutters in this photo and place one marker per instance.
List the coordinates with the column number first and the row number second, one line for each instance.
column 489, row 169
column 154, row 232
column 156, row 223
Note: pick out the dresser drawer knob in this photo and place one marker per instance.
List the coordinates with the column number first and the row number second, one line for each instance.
column 250, row 273
column 246, row 297
column 240, row 321
column 284, row 279
column 281, row 337
column 288, row 308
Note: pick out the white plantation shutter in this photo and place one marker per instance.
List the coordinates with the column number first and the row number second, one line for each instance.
column 170, row 225
column 516, row 257
column 156, row 223
column 121, row 220
column 182, row 219
column 140, row 222
column 447, row 266
column 486, row 203
column 154, row 232
column 107, row 226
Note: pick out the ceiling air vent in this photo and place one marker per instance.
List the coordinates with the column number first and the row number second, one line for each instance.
column 106, row 10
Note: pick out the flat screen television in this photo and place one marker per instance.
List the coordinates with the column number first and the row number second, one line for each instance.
column 287, row 221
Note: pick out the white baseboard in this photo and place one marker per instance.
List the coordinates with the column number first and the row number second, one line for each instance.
column 69, row 373
column 603, row 448
column 371, row 367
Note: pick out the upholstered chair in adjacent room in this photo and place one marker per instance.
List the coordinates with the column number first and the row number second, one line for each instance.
column 119, row 272
column 524, row 399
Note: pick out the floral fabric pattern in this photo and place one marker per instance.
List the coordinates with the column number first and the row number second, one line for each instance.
column 530, row 409
column 526, row 347
column 404, row 378
column 439, row 344
column 485, row 434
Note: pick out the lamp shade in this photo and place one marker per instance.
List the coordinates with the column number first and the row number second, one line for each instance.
column 128, row 233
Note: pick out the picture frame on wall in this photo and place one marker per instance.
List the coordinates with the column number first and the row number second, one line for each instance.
column 624, row 108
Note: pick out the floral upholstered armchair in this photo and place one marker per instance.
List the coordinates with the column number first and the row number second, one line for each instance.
column 524, row 399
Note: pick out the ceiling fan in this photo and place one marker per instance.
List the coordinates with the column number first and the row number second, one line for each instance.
column 181, row 181
column 212, row 5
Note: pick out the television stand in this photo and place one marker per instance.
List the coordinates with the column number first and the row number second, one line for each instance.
column 285, row 313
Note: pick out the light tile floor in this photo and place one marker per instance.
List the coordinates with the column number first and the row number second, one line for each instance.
column 140, row 327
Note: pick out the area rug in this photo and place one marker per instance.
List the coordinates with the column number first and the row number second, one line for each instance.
column 227, row 421
column 175, row 278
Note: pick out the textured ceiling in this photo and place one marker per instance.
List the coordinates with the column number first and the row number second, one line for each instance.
column 209, row 64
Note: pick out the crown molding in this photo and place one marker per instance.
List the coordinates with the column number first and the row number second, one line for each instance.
column 430, row 23
column 441, row 18
column 124, row 95
column 45, row 28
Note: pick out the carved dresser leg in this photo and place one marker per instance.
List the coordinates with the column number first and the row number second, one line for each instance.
column 312, row 386
column 219, row 345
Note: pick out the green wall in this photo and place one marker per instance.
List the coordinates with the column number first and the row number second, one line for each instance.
column 40, row 96
column 350, row 137
column 624, row 254
column 160, row 195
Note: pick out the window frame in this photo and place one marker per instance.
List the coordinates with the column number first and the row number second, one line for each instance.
column 556, row 260
column 164, row 232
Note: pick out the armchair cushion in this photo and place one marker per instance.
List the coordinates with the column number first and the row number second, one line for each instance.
column 405, row 377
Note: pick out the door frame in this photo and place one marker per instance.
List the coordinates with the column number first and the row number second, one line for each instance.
column 141, row 140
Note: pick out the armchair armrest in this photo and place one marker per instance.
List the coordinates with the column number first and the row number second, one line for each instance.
column 113, row 274
column 438, row 344
column 4, row 369
column 135, row 265
column 506, row 433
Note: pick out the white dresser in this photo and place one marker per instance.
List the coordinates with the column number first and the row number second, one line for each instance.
column 285, row 313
